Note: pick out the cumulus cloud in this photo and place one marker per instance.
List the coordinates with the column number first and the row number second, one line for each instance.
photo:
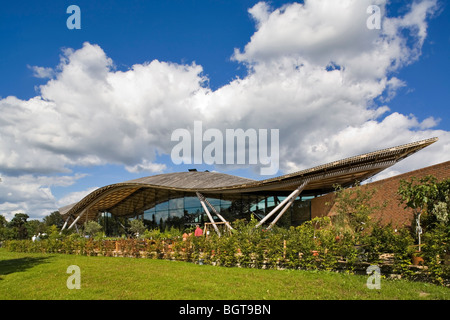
column 92, row 115
column 42, row 72
column 146, row 166
column 31, row 194
column 318, row 64
column 315, row 72
column 321, row 32
column 73, row 197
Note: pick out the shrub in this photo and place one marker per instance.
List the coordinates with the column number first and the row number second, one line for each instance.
column 315, row 245
column 354, row 208
column 300, row 246
column 435, row 251
column 347, row 251
column 91, row 228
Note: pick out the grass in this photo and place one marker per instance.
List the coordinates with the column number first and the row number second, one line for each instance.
column 33, row 276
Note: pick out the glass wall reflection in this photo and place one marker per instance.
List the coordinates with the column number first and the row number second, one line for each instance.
column 187, row 211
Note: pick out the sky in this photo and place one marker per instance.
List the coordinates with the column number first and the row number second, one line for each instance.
column 81, row 108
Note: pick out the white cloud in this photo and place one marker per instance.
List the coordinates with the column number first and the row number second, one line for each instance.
column 42, row 72
column 31, row 194
column 315, row 72
column 91, row 115
column 392, row 85
column 73, row 197
column 146, row 166
column 323, row 32
column 319, row 31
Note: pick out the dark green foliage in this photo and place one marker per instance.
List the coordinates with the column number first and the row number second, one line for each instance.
column 305, row 247
column 350, row 243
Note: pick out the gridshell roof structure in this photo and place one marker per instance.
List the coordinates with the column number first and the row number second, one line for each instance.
column 131, row 197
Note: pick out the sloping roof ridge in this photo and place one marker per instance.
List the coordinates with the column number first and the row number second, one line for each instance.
column 353, row 158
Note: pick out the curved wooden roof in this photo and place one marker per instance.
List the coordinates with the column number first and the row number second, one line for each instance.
column 135, row 196
column 192, row 180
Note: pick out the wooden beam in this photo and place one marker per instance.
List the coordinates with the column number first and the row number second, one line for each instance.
column 201, row 198
column 215, row 211
column 288, row 205
column 76, row 220
column 294, row 194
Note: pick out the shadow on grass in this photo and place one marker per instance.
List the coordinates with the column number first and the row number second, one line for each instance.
column 19, row 265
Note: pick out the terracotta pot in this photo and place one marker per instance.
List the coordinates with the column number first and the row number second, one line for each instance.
column 417, row 259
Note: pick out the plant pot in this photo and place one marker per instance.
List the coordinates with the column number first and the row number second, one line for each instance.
column 417, row 259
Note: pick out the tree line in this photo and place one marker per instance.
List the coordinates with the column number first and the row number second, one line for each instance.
column 20, row 227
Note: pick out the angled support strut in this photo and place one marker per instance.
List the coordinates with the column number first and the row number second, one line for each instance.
column 202, row 201
column 286, row 203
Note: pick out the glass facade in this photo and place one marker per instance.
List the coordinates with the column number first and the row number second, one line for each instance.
column 187, row 211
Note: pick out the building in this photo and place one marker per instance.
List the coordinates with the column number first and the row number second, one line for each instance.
column 386, row 191
column 196, row 197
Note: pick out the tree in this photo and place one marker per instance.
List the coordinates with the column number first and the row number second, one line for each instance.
column 54, row 218
column 91, row 228
column 5, row 233
column 19, row 225
column 429, row 200
column 3, row 221
column 154, row 223
column 354, row 208
column 151, row 224
column 35, row 226
column 427, row 196
column 137, row 227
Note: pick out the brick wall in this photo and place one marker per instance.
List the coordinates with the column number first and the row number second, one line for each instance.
column 394, row 211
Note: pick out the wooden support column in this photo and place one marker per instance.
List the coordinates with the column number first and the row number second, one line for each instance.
column 293, row 195
column 287, row 206
column 201, row 198
column 76, row 220
column 65, row 224
column 215, row 211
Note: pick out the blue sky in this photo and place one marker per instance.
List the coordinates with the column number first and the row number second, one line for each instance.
column 130, row 31
column 160, row 65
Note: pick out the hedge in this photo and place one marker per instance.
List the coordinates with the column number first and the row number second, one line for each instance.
column 305, row 247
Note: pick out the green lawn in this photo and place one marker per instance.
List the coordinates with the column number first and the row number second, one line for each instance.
column 43, row 276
